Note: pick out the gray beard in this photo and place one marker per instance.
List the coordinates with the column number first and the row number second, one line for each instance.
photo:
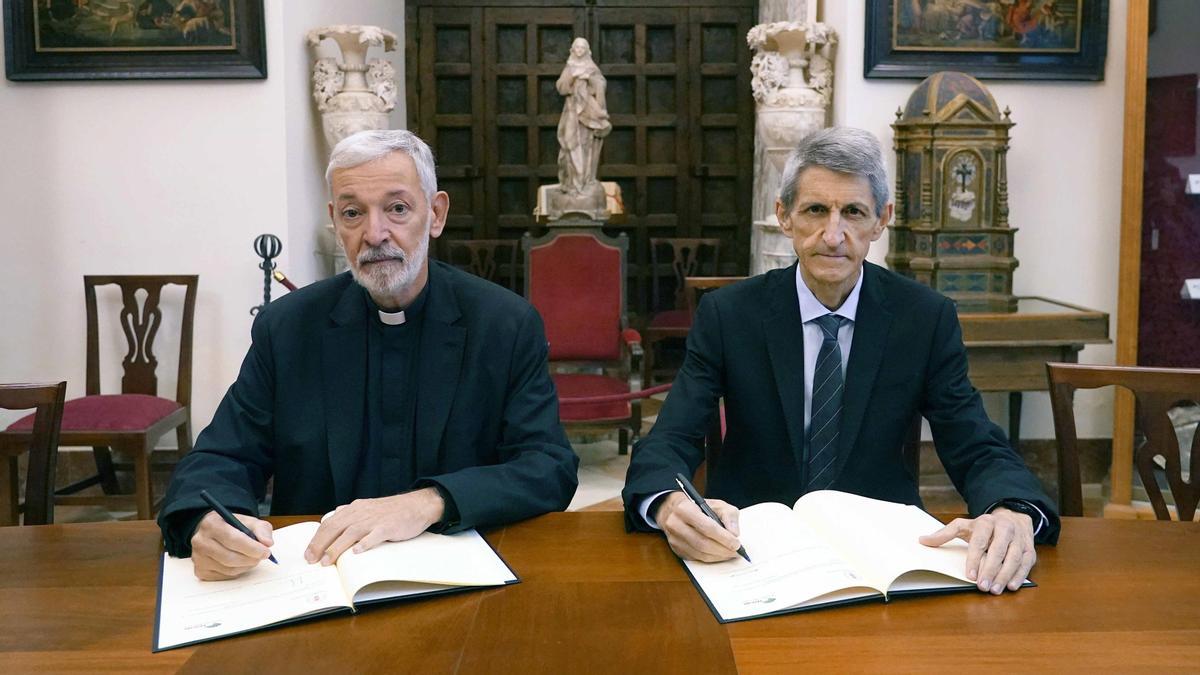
column 391, row 279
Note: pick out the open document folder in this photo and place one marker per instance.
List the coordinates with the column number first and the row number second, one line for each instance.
column 191, row 610
column 830, row 548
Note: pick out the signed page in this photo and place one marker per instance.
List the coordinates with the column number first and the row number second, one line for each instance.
column 191, row 610
column 791, row 566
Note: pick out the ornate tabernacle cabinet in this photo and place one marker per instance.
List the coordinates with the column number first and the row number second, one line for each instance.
column 951, row 230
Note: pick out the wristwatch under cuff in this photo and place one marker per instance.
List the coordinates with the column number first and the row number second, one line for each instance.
column 1022, row 506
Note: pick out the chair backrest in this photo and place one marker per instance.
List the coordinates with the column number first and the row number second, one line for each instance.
column 1157, row 391
column 689, row 257
column 697, row 286
column 576, row 280
column 47, row 401
column 140, row 322
column 491, row 259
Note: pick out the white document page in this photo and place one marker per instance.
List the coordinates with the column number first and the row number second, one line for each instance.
column 193, row 610
column 424, row 563
column 790, row 567
column 880, row 538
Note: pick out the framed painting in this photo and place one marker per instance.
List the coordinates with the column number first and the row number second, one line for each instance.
column 133, row 39
column 998, row 39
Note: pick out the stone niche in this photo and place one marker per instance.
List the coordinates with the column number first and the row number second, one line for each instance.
column 951, row 230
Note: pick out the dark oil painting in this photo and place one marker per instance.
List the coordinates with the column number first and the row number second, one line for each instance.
column 1031, row 26
column 134, row 25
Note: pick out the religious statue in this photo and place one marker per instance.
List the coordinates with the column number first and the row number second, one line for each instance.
column 581, row 131
column 584, row 122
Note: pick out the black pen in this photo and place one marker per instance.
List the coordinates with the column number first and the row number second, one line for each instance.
column 229, row 518
column 690, row 491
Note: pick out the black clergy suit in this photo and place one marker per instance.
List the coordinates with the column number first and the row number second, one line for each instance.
column 486, row 432
column 907, row 357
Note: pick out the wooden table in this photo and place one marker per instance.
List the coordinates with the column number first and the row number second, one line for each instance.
column 1115, row 595
column 1008, row 351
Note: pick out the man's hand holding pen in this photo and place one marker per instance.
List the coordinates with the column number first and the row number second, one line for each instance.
column 695, row 536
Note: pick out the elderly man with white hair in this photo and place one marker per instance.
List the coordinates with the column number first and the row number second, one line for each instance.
column 404, row 396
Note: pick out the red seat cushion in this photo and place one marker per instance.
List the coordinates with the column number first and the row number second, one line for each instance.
column 108, row 412
column 672, row 318
column 576, row 385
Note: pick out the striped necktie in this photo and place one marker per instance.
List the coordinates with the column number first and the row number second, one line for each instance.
column 826, row 405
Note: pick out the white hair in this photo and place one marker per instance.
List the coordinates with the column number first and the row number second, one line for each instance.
column 367, row 146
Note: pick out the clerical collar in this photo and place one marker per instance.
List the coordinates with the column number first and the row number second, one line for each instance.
column 392, row 318
column 401, row 316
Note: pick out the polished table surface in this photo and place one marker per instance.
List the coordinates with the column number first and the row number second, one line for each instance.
column 1114, row 595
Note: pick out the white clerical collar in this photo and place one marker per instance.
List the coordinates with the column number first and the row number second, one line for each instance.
column 811, row 308
column 392, row 318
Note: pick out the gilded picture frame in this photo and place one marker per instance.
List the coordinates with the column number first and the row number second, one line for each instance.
column 989, row 39
column 134, row 39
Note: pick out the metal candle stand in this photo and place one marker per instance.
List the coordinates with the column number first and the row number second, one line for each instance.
column 268, row 247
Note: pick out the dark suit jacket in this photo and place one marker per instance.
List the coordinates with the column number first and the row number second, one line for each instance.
column 907, row 357
column 487, row 428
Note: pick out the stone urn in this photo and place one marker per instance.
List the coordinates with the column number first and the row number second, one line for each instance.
column 353, row 94
column 792, row 82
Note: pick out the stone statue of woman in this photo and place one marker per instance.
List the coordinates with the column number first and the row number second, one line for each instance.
column 584, row 123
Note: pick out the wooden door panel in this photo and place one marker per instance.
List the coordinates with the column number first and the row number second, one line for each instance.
column 445, row 105
column 482, row 92
column 722, row 138
column 643, row 54
column 526, row 53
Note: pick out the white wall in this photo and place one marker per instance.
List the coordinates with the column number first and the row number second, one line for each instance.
column 158, row 177
column 127, row 177
column 1064, row 182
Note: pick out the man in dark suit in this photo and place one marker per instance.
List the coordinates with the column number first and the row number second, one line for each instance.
column 415, row 399
column 823, row 368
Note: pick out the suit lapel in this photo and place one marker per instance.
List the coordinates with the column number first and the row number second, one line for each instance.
column 344, row 373
column 441, row 356
column 871, row 325
column 785, row 343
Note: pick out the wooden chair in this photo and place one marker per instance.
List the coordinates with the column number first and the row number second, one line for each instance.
column 1157, row 391
column 576, row 280
column 491, row 259
column 688, row 258
column 41, row 441
column 134, row 420
column 698, row 286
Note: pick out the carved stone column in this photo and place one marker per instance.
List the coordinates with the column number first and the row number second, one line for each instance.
column 352, row 95
column 793, row 84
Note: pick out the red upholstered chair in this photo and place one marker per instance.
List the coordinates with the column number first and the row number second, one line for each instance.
column 688, row 257
column 41, row 441
column 576, row 280
column 134, row 420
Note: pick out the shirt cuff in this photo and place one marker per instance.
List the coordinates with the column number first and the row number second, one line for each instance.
column 450, row 516
column 644, row 508
column 1039, row 523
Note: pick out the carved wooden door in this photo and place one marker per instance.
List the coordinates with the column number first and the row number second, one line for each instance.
column 481, row 91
